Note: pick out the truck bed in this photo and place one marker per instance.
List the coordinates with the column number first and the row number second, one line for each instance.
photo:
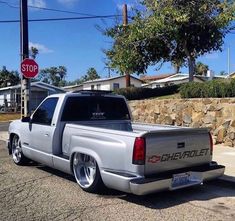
column 167, row 147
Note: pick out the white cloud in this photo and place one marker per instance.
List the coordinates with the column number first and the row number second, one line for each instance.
column 41, row 48
column 129, row 6
column 37, row 3
column 67, row 2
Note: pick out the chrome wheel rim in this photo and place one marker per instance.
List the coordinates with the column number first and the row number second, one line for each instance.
column 16, row 150
column 84, row 168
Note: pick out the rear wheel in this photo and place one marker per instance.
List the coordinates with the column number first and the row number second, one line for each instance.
column 17, row 154
column 86, row 172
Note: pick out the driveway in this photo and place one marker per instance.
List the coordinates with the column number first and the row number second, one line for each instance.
column 36, row 192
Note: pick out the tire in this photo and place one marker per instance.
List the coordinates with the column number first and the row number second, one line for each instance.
column 87, row 173
column 17, row 154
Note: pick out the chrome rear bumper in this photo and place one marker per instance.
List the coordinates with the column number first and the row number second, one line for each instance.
column 149, row 185
column 164, row 181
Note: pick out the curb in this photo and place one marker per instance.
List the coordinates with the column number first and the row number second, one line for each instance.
column 227, row 178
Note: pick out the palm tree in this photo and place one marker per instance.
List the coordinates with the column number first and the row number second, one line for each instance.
column 33, row 51
column 62, row 71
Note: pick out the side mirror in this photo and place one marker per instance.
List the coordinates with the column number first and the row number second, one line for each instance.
column 26, row 119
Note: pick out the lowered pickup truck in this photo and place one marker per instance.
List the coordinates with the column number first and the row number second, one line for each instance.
column 90, row 134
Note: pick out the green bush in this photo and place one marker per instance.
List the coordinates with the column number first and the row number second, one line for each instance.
column 215, row 88
column 136, row 93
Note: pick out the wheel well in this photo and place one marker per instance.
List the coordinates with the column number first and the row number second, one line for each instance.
column 72, row 156
column 71, row 161
column 10, row 140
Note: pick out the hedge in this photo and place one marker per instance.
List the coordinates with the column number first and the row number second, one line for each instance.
column 134, row 93
column 215, row 88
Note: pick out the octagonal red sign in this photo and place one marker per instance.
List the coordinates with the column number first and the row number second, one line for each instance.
column 29, row 68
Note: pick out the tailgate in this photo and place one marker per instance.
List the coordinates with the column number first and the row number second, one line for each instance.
column 175, row 149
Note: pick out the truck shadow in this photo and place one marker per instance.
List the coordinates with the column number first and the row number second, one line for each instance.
column 52, row 171
column 210, row 190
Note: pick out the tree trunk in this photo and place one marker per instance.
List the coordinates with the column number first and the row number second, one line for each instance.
column 191, row 67
column 176, row 68
column 191, row 62
column 128, row 80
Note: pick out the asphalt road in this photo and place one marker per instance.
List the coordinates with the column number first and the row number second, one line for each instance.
column 4, row 126
column 36, row 192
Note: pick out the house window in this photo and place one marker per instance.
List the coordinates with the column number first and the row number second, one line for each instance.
column 92, row 87
column 98, row 86
column 115, row 86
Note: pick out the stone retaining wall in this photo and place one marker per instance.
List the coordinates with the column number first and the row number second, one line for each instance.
column 215, row 113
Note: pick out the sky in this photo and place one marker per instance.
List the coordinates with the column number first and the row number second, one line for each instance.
column 78, row 44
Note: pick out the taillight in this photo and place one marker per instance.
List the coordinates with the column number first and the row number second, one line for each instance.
column 211, row 143
column 139, row 151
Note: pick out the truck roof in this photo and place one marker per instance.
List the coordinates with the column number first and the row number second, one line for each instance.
column 87, row 93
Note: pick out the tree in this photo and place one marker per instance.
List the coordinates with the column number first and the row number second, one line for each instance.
column 170, row 31
column 8, row 78
column 177, row 64
column 53, row 75
column 62, row 71
column 201, row 69
column 223, row 73
column 33, row 52
column 91, row 74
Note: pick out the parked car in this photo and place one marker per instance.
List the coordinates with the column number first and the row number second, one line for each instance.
column 90, row 134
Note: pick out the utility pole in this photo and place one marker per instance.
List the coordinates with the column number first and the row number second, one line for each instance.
column 228, row 60
column 24, row 49
column 125, row 22
column 109, row 71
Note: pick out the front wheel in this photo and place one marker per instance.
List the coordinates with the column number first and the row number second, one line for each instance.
column 86, row 172
column 17, row 154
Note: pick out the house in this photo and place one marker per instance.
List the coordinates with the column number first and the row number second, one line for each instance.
column 111, row 84
column 172, row 80
column 231, row 75
column 107, row 84
column 11, row 96
column 151, row 78
column 76, row 87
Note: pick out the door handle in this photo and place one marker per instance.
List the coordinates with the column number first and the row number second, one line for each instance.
column 46, row 135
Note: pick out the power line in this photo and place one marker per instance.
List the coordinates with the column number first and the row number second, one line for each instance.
column 62, row 19
column 59, row 10
column 11, row 6
column 86, row 16
column 47, row 9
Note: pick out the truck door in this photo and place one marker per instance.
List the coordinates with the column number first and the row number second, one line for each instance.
column 41, row 131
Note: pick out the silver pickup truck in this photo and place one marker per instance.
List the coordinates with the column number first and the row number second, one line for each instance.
column 90, row 135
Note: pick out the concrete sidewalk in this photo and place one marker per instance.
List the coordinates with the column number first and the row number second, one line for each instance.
column 222, row 155
column 225, row 155
column 3, row 135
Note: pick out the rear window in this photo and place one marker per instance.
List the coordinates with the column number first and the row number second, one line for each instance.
column 95, row 108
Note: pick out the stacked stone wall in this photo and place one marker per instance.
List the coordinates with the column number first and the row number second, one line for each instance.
column 218, row 114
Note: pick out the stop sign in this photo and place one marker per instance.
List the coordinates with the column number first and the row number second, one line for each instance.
column 29, row 68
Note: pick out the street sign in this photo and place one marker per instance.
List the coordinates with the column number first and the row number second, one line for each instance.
column 29, row 68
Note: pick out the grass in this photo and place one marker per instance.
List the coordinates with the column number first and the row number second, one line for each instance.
column 9, row 116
